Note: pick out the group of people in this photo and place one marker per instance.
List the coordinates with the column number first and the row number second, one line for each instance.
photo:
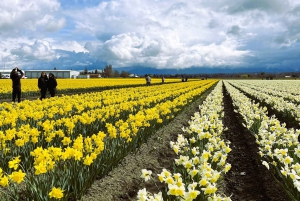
column 45, row 84
column 148, row 80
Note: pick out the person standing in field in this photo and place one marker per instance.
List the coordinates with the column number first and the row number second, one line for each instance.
column 52, row 84
column 148, row 80
column 162, row 79
column 16, row 83
column 43, row 84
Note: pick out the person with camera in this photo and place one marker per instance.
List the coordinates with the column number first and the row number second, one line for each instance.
column 15, row 75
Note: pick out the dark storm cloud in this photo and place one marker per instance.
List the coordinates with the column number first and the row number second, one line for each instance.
column 234, row 30
column 276, row 6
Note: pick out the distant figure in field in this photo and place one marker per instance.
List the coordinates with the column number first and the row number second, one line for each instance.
column 148, row 80
column 162, row 79
column 52, row 84
column 43, row 84
column 16, row 83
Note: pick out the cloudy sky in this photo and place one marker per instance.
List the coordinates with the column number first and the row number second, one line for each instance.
column 74, row 34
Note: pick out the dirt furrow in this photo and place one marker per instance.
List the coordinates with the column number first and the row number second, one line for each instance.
column 248, row 179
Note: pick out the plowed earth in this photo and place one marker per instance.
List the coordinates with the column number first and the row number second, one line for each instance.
column 248, row 179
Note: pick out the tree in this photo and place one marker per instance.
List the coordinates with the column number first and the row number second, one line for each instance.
column 124, row 74
column 85, row 71
column 54, row 68
column 96, row 71
column 108, row 72
column 116, row 73
column 294, row 76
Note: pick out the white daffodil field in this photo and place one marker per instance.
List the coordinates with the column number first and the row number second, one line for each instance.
column 202, row 153
column 279, row 147
column 56, row 148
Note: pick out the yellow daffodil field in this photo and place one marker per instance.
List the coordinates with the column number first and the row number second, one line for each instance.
column 67, row 86
column 55, row 148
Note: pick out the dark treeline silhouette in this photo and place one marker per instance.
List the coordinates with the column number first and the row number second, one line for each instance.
column 108, row 71
column 180, row 75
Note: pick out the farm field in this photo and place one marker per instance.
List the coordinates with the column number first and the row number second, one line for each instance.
column 231, row 143
column 256, row 184
column 76, row 86
column 64, row 143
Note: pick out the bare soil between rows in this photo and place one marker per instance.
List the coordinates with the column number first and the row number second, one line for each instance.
column 248, row 179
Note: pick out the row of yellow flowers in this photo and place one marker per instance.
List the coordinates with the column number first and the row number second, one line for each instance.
column 55, row 148
column 202, row 157
column 30, row 87
column 278, row 146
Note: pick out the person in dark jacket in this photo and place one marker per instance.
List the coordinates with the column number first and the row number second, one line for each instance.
column 43, row 84
column 52, row 84
column 16, row 83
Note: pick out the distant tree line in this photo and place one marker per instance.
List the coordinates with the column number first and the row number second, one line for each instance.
column 261, row 75
column 109, row 72
column 106, row 72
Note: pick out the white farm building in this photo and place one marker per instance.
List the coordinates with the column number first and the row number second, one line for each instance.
column 37, row 73
column 57, row 73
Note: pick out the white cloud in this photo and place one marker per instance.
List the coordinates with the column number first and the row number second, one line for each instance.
column 52, row 24
column 40, row 50
column 70, row 46
column 132, row 49
column 19, row 16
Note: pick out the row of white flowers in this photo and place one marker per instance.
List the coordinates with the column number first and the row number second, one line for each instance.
column 289, row 86
column 278, row 103
column 202, row 158
column 278, row 146
column 289, row 91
